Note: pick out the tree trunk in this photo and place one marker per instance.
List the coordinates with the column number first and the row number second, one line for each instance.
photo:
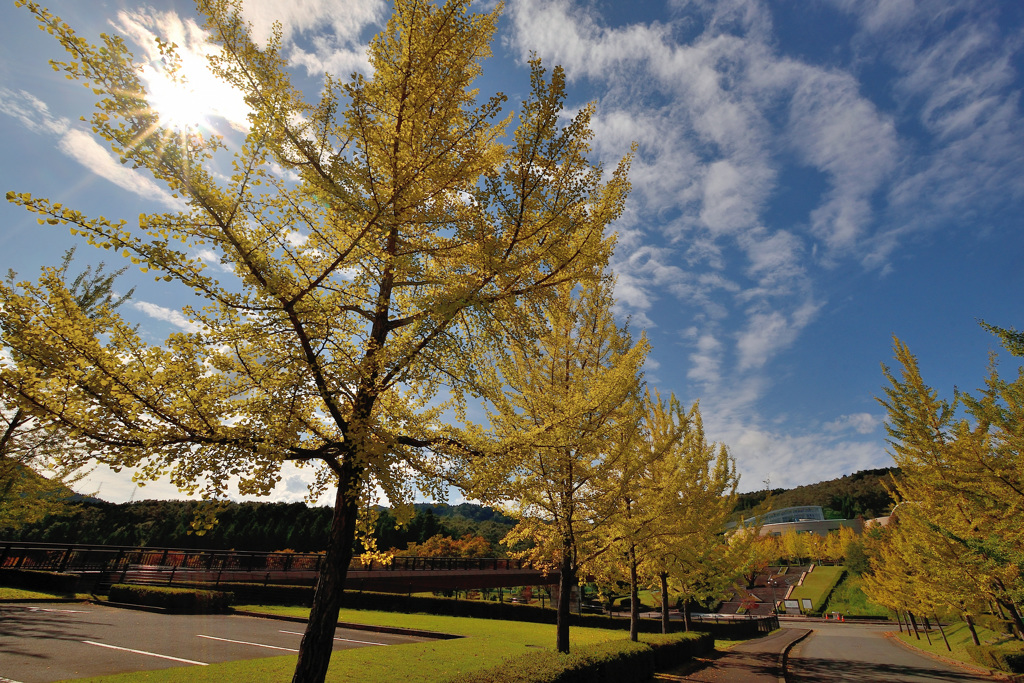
column 686, row 614
column 927, row 630
column 913, row 622
column 664, row 602
column 634, row 596
column 1015, row 617
column 970, row 625
column 318, row 639
column 943, row 632
column 899, row 621
column 566, row 580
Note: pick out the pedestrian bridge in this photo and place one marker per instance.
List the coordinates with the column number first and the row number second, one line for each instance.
column 102, row 565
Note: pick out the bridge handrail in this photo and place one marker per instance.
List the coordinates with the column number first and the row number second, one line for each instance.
column 81, row 557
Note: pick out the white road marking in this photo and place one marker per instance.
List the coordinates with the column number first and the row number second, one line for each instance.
column 6, row 680
column 347, row 640
column 67, row 611
column 246, row 642
column 143, row 652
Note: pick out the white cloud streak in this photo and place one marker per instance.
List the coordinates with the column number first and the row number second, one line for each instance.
column 168, row 315
column 35, row 115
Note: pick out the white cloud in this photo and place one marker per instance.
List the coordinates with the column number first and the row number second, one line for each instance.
column 768, row 332
column 84, row 149
column 862, row 423
column 320, row 35
column 35, row 115
column 169, row 315
column 31, row 112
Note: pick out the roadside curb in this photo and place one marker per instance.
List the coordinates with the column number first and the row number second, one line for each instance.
column 784, row 655
column 973, row 668
column 356, row 627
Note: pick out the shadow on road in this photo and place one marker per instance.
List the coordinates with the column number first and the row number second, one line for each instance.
column 812, row 670
column 21, row 622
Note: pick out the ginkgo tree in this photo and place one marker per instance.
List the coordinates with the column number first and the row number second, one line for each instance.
column 693, row 494
column 566, row 418
column 373, row 241
column 961, row 475
column 39, row 458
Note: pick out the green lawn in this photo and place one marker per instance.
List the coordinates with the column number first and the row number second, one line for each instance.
column 959, row 637
column 817, row 585
column 486, row 643
column 849, row 599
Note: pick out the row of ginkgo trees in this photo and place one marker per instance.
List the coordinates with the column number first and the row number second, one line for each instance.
column 955, row 541
column 387, row 254
column 608, row 479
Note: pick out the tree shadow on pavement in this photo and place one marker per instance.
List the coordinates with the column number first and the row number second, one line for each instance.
column 808, row 670
column 22, row 623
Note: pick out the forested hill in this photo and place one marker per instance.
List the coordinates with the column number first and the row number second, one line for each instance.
column 859, row 494
column 250, row 526
column 295, row 526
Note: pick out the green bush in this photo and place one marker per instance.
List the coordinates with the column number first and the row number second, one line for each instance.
column 1005, row 657
column 48, row 582
column 618, row 661
column 188, row 600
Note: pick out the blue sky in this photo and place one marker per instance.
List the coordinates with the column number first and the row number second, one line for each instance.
column 813, row 177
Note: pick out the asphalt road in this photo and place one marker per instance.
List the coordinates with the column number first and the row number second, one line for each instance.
column 40, row 643
column 860, row 653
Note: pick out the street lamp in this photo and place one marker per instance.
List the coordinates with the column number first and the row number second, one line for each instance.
column 772, row 583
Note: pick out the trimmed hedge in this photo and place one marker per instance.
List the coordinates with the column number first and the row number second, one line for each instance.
column 1005, row 657
column 619, row 661
column 47, row 582
column 672, row 649
column 187, row 600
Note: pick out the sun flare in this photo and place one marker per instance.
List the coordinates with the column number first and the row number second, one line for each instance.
column 193, row 99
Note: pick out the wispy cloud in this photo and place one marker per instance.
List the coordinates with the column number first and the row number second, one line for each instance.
column 34, row 114
column 168, row 315
column 320, row 35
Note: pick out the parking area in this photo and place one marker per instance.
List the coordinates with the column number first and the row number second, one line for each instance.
column 40, row 643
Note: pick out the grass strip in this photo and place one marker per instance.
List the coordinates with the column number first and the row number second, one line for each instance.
column 7, row 593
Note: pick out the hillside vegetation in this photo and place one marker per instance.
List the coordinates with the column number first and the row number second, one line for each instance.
column 296, row 526
column 859, row 494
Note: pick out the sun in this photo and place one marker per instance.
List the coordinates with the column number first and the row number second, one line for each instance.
column 192, row 97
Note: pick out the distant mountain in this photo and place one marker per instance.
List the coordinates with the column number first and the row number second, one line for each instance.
column 861, row 494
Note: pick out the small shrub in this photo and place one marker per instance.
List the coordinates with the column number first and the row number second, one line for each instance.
column 189, row 600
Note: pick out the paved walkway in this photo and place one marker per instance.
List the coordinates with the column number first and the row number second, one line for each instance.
column 755, row 661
